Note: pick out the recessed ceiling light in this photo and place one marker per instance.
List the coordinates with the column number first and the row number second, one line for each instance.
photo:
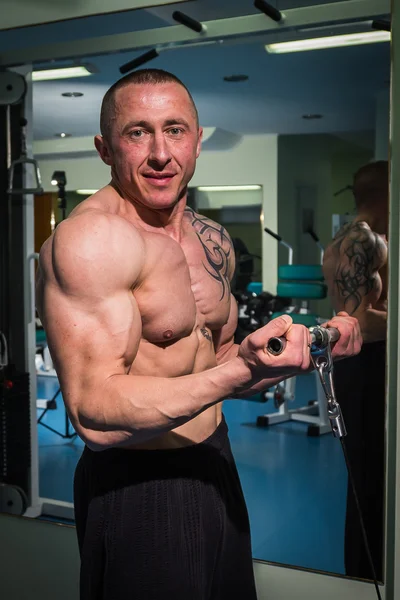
column 235, row 78
column 228, row 188
column 310, row 117
column 72, row 94
column 62, row 73
column 62, row 135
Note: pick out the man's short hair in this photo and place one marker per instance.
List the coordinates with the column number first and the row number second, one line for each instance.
column 371, row 184
column 142, row 76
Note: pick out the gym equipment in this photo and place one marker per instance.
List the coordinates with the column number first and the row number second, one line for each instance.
column 255, row 309
column 303, row 283
column 23, row 161
column 244, row 269
column 13, row 500
column 18, row 446
column 14, row 438
column 320, row 338
column 321, row 357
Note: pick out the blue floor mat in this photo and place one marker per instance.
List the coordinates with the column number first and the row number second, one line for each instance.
column 294, row 485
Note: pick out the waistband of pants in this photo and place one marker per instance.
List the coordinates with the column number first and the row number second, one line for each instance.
column 215, row 441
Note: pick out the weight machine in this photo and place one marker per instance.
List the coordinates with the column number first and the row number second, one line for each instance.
column 19, row 179
column 301, row 283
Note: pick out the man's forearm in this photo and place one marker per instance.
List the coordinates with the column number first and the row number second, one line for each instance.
column 132, row 409
column 373, row 324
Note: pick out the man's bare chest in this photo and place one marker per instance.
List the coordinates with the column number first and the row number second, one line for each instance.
column 185, row 285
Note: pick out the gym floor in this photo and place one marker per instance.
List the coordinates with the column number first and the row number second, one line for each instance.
column 295, row 485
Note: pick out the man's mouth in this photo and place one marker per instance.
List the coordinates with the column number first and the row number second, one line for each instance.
column 159, row 179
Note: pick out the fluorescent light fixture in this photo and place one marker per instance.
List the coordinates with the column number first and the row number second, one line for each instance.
column 334, row 41
column 61, row 73
column 86, row 192
column 228, row 188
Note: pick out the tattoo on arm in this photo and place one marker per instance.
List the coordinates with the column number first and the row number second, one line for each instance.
column 217, row 248
column 361, row 256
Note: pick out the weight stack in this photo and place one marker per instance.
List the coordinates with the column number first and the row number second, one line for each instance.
column 15, row 440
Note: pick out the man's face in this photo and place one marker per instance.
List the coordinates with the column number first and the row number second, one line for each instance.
column 154, row 143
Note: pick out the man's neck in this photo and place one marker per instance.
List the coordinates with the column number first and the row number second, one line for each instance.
column 168, row 221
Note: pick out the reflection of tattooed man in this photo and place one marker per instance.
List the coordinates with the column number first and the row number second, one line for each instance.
column 217, row 249
column 355, row 269
column 352, row 269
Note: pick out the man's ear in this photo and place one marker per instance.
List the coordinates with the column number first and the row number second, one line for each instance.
column 103, row 150
column 199, row 141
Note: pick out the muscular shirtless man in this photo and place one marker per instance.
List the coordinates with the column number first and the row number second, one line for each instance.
column 355, row 268
column 134, row 295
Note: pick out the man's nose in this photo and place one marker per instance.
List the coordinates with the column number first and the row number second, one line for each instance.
column 159, row 152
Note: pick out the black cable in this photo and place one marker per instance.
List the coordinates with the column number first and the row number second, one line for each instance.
column 364, row 533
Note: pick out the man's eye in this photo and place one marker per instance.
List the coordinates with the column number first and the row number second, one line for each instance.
column 137, row 133
column 175, row 131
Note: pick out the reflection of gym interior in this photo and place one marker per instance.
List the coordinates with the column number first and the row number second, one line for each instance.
column 277, row 173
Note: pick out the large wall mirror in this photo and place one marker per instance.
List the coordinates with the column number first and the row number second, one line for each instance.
column 290, row 140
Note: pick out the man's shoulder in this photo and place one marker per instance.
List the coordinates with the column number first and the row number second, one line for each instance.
column 91, row 236
column 94, row 224
column 353, row 229
column 357, row 241
column 356, row 232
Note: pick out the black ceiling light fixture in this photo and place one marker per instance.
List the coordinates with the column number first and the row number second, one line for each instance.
column 72, row 94
column 270, row 11
column 235, row 78
column 310, row 117
column 192, row 24
column 139, row 61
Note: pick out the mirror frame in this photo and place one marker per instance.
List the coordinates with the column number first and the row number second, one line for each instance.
column 276, row 582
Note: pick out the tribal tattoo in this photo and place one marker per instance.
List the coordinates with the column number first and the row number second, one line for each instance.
column 361, row 255
column 205, row 333
column 217, row 247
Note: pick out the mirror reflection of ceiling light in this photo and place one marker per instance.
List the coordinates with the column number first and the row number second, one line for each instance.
column 334, row 41
column 86, row 192
column 228, row 188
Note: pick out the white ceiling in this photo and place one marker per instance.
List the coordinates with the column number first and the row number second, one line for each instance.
column 341, row 84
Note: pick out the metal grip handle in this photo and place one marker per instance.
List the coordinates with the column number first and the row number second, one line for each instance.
column 312, row 233
column 320, row 338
